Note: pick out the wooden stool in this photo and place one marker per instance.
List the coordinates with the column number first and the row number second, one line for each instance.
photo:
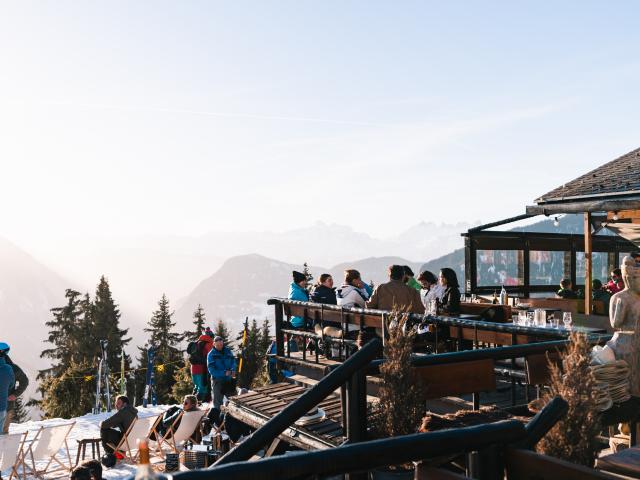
column 82, row 446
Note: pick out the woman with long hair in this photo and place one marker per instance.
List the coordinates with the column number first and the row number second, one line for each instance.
column 451, row 297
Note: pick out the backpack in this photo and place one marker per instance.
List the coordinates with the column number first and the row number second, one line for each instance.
column 196, row 353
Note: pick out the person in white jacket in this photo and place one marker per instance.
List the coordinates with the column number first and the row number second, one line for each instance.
column 352, row 293
column 431, row 289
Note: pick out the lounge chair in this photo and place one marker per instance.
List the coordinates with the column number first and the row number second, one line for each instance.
column 11, row 454
column 45, row 447
column 178, row 434
column 140, row 429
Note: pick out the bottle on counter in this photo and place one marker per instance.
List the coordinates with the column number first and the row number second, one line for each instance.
column 495, row 298
column 144, row 472
column 504, row 298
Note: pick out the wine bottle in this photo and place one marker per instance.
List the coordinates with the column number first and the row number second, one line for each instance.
column 495, row 298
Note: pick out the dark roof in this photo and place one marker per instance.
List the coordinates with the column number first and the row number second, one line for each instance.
column 614, row 179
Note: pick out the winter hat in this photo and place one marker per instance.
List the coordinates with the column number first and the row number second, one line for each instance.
column 208, row 331
column 298, row 277
column 217, row 337
column 4, row 348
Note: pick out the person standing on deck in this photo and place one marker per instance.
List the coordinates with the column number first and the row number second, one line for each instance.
column 198, row 361
column 7, row 379
column 396, row 294
column 297, row 291
column 222, row 368
column 19, row 386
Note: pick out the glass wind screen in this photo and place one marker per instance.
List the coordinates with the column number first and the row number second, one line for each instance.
column 548, row 267
column 499, row 267
column 599, row 267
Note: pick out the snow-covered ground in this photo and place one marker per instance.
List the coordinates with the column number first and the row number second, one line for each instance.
column 86, row 426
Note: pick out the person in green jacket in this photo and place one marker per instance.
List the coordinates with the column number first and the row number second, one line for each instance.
column 409, row 280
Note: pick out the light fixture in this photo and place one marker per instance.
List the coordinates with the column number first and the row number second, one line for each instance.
column 615, row 216
column 556, row 222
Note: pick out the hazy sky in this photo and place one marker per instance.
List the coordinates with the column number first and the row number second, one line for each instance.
column 184, row 117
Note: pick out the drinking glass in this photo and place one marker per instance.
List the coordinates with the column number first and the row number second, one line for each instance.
column 566, row 319
column 553, row 322
column 474, row 298
column 522, row 318
column 530, row 321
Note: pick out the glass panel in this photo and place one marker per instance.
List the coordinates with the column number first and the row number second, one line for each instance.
column 620, row 257
column 500, row 267
column 548, row 268
column 599, row 267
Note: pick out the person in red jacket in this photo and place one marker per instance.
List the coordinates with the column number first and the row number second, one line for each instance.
column 198, row 361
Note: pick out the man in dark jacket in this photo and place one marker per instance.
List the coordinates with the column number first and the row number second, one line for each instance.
column 7, row 379
column 222, row 368
column 396, row 294
column 20, row 385
column 113, row 428
column 324, row 292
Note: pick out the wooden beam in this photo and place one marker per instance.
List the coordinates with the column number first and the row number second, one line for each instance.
column 588, row 249
column 634, row 215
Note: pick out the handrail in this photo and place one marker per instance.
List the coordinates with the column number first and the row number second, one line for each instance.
column 437, row 320
column 292, row 412
column 365, row 455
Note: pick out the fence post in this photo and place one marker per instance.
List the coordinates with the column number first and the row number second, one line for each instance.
column 279, row 314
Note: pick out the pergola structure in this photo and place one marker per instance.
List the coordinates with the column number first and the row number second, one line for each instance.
column 608, row 196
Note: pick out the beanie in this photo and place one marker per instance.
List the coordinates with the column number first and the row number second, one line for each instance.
column 298, row 277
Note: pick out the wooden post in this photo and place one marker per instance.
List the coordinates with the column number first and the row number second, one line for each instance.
column 587, row 263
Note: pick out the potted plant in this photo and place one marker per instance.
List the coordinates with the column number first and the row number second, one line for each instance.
column 402, row 404
column 575, row 437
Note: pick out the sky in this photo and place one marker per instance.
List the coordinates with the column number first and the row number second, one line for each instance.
column 128, row 118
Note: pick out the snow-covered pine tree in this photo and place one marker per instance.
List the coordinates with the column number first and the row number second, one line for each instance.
column 106, row 326
column 168, row 355
column 199, row 321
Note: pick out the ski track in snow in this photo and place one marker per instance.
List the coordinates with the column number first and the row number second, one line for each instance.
column 87, row 426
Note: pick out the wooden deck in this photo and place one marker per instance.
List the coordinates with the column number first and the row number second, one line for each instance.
column 256, row 408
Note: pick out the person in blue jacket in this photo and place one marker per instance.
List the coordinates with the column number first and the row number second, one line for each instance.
column 7, row 379
column 297, row 291
column 222, row 368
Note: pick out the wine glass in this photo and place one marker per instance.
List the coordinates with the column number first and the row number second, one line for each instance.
column 566, row 319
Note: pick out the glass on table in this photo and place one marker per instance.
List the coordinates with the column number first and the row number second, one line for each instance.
column 522, row 318
column 567, row 320
column 554, row 321
column 530, row 319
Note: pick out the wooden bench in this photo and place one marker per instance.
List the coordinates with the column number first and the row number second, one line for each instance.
column 457, row 378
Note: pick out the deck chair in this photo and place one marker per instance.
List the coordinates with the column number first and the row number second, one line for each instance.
column 45, row 447
column 11, row 453
column 140, row 429
column 178, row 434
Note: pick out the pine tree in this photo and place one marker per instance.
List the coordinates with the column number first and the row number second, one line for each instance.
column 199, row 320
column 183, row 385
column 265, row 337
column 63, row 335
column 252, row 357
column 69, row 394
column 223, row 331
column 20, row 411
column 168, row 355
column 307, row 274
column 106, row 319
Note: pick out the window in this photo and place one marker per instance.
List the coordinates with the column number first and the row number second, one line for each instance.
column 548, row 267
column 500, row 267
column 599, row 267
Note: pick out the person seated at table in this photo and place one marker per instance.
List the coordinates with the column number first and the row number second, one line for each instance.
column 450, row 300
column 323, row 291
column 395, row 294
column 113, row 428
column 566, row 289
column 352, row 292
column 431, row 290
column 408, row 278
column 298, row 291
column 616, row 284
column 599, row 293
